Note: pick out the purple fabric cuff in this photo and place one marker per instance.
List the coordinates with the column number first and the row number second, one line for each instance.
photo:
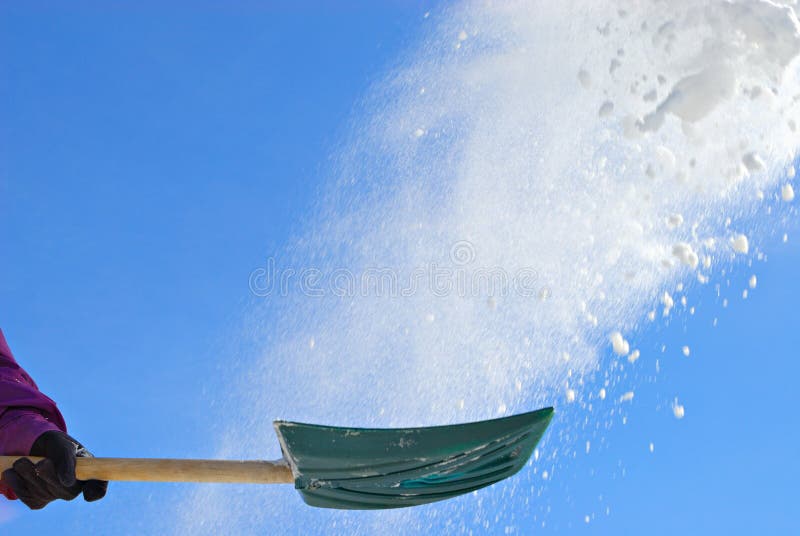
column 21, row 427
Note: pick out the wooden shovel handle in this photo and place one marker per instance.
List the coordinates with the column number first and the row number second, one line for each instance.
column 171, row 470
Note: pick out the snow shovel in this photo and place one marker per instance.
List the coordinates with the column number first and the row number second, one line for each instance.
column 357, row 468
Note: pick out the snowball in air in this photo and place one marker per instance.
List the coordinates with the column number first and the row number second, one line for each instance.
column 619, row 344
column 740, row 244
column 686, row 254
column 668, row 302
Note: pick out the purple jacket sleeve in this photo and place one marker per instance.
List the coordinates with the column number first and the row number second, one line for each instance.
column 25, row 413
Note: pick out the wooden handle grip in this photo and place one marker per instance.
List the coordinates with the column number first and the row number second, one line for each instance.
column 171, row 470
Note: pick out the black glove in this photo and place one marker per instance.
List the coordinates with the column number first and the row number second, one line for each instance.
column 54, row 477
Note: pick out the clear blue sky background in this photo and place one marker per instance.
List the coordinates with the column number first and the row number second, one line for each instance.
column 152, row 156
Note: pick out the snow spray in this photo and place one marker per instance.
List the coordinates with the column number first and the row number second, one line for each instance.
column 516, row 199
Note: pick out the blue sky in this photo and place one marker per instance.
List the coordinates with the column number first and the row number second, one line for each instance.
column 151, row 157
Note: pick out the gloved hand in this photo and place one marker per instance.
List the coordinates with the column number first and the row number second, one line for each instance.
column 54, row 477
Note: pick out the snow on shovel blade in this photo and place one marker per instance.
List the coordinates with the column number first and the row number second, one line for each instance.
column 366, row 468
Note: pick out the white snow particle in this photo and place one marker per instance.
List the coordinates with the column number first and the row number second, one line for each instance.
column 605, row 109
column 634, row 356
column 753, row 162
column 627, row 397
column 787, row 193
column 675, row 220
column 619, row 344
column 740, row 244
column 544, row 294
column 753, row 281
column 686, row 254
column 678, row 410
column 668, row 302
column 686, row 351
column 602, row 394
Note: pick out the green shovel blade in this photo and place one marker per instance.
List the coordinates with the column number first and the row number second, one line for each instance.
column 368, row 468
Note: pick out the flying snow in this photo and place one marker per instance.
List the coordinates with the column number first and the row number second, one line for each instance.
column 561, row 162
